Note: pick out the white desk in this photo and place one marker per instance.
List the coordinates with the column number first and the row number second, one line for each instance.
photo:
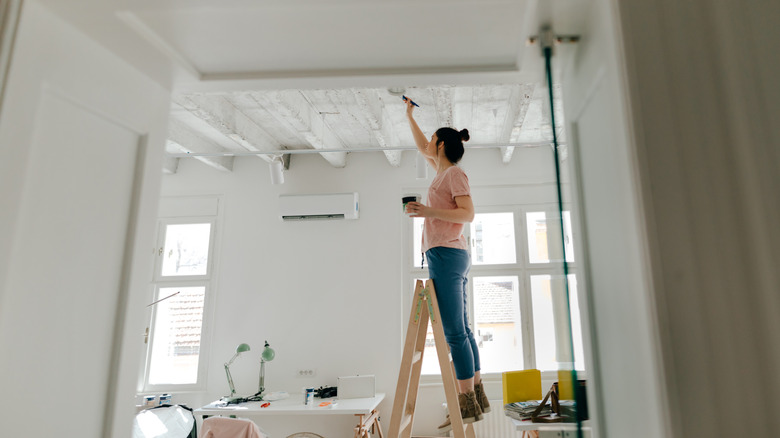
column 365, row 408
column 529, row 426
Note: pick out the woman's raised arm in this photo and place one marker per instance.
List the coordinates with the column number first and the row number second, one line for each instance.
column 419, row 137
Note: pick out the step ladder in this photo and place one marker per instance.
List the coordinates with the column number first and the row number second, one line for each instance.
column 424, row 308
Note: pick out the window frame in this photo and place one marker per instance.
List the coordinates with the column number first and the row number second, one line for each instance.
column 162, row 225
column 159, row 281
column 523, row 269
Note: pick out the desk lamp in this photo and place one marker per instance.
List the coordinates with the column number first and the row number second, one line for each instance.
column 267, row 356
column 240, row 349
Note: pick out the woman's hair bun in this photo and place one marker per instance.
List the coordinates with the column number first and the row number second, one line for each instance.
column 464, row 135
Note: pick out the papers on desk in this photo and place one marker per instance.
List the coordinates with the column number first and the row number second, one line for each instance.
column 523, row 410
column 225, row 406
column 276, row 395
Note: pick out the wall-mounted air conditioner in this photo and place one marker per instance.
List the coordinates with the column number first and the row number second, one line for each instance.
column 327, row 206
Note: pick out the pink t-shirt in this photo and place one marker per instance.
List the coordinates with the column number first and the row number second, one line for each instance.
column 441, row 194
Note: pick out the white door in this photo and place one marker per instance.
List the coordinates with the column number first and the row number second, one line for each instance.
column 81, row 173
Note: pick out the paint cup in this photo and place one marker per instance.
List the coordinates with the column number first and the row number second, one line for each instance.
column 412, row 197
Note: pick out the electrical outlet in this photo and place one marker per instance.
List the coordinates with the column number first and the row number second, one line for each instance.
column 306, row 372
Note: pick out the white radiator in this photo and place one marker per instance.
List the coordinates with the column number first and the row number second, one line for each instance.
column 495, row 424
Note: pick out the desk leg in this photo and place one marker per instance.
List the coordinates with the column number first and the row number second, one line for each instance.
column 359, row 428
column 365, row 427
column 378, row 426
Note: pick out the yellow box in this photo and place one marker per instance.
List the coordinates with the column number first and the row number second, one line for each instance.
column 522, row 385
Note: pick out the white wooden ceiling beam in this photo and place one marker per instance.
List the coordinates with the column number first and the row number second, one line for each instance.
column 182, row 139
column 463, row 108
column 170, row 165
column 310, row 124
column 519, row 101
column 223, row 116
column 263, row 113
column 559, row 120
column 442, row 101
column 372, row 112
column 391, row 137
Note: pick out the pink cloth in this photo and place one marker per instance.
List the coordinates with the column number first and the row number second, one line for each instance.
column 445, row 187
column 223, row 427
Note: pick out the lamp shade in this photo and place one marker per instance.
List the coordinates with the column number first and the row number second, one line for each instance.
column 242, row 348
column 268, row 353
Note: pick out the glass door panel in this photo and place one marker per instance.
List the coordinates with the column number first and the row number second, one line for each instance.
column 497, row 324
column 176, row 335
column 186, row 249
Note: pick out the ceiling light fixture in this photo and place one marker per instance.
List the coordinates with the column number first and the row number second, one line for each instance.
column 422, row 166
column 277, row 170
column 396, row 91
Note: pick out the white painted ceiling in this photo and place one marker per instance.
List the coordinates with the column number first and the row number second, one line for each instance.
column 266, row 76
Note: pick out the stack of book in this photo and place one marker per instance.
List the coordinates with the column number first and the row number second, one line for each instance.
column 523, row 410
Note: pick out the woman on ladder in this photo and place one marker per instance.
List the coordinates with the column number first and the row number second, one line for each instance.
column 445, row 247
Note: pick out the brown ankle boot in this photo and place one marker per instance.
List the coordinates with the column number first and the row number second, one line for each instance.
column 484, row 404
column 469, row 411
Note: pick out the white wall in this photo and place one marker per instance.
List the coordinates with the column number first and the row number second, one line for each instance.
column 81, row 141
column 326, row 294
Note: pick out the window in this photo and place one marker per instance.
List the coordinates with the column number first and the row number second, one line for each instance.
column 516, row 293
column 182, row 284
column 493, row 239
column 176, row 340
column 186, row 250
column 549, row 310
column 497, row 323
column 542, row 246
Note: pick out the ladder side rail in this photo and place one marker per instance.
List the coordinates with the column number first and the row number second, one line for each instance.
column 405, row 372
column 447, row 369
column 414, row 384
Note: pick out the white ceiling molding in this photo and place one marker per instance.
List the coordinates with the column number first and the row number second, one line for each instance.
column 380, row 78
column 142, row 29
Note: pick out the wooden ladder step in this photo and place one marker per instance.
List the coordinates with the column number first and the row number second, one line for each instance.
column 406, row 422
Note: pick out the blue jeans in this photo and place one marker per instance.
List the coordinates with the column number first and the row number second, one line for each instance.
column 448, row 268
